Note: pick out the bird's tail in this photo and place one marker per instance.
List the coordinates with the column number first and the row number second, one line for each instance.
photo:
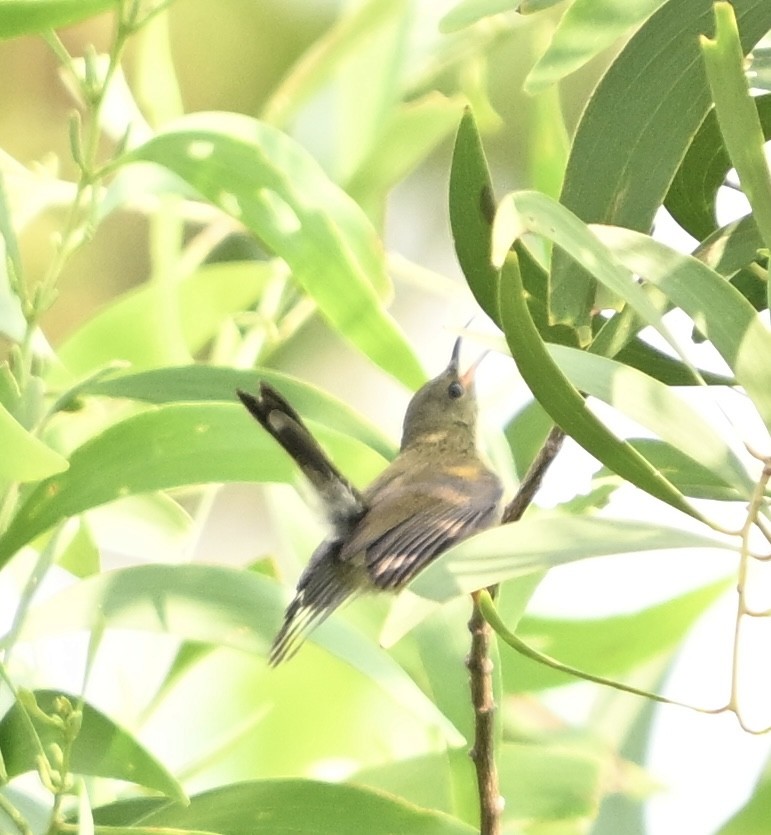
column 320, row 590
column 342, row 501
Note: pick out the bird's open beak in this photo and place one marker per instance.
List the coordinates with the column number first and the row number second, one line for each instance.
column 468, row 377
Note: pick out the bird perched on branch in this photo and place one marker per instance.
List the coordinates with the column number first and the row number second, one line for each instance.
column 436, row 492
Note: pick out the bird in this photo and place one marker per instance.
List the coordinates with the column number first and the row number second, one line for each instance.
column 436, row 492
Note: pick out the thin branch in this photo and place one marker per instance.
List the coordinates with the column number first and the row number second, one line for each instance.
column 480, row 669
column 534, row 476
column 479, row 664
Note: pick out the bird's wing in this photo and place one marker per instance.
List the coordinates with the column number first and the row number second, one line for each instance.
column 409, row 525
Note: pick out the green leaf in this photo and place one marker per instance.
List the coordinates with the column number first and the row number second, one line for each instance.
column 25, row 457
column 594, row 645
column 551, row 782
column 469, row 12
column 222, row 607
column 472, row 210
column 204, row 383
column 564, row 403
column 101, row 748
column 719, row 311
column 737, row 115
column 691, row 197
column 411, row 132
column 169, row 446
column 531, row 212
column 204, row 299
column 655, row 406
column 690, row 477
column 541, row 542
column 279, row 192
column 752, row 818
column 324, row 58
column 586, row 28
column 24, row 17
column 272, row 806
column 620, row 176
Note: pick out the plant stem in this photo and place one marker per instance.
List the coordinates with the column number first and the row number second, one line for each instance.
column 480, row 669
column 534, row 476
column 479, row 664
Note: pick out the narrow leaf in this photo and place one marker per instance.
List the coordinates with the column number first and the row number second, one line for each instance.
column 279, row 192
column 166, row 447
column 564, row 403
column 472, row 210
column 540, row 542
column 101, row 748
column 25, row 457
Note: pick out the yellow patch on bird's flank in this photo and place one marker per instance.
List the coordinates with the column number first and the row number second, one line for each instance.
column 463, row 470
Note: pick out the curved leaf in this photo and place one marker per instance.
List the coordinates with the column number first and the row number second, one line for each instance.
column 691, row 197
column 594, row 645
column 169, row 446
column 586, row 28
column 205, row 383
column 472, row 211
column 719, row 310
column 655, row 406
column 219, row 606
column 632, row 137
column 272, row 806
column 204, row 299
column 25, row 457
column 101, row 748
column 540, row 542
column 279, row 192
column 564, row 403
column 23, row 17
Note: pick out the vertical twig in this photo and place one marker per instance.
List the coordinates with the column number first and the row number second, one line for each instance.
column 479, row 664
column 480, row 669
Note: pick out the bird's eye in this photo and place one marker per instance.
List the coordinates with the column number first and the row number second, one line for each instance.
column 455, row 390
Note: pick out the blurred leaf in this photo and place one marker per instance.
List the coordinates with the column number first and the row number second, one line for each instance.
column 752, row 818
column 272, row 185
column 468, row 12
column 101, row 748
column 551, row 782
column 689, row 476
column 720, row 312
column 323, row 59
column 586, row 28
column 80, row 556
column 222, row 607
column 604, row 646
column 737, row 115
column 409, row 135
column 631, row 139
column 540, row 542
column 204, row 299
column 565, row 404
column 655, row 406
column 24, row 17
column 691, row 196
column 203, row 383
column 272, row 806
column 169, row 446
column 472, row 211
column 24, row 457
column 526, row 432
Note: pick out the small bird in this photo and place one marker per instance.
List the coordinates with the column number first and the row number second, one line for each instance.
column 436, row 492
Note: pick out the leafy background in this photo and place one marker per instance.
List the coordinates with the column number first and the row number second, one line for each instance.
column 303, row 195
